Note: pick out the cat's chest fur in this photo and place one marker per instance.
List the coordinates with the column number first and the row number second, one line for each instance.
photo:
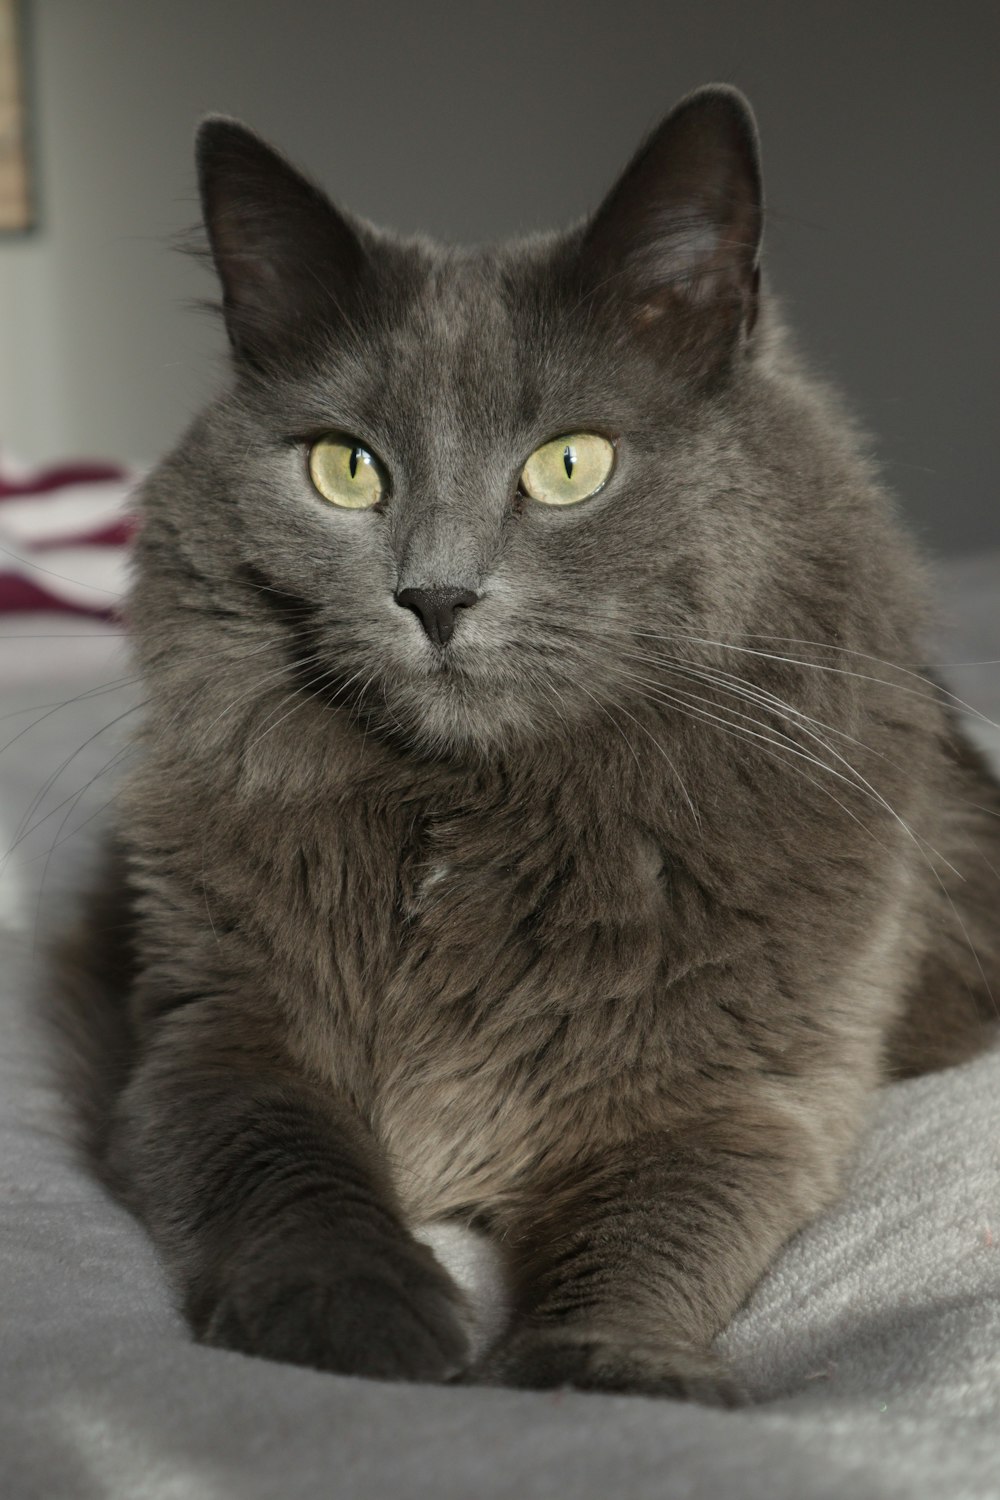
column 526, row 943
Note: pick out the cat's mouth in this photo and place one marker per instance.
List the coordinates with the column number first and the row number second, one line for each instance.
column 467, row 694
column 437, row 701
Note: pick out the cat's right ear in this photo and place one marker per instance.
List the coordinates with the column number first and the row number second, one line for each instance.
column 286, row 257
column 676, row 243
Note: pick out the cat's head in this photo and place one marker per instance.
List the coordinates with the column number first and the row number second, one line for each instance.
column 474, row 485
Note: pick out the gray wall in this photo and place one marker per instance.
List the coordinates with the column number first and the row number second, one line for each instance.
column 880, row 126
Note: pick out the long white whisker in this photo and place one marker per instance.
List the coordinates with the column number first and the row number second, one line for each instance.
column 859, row 784
column 861, row 780
column 607, row 712
column 737, row 732
column 936, row 694
column 655, row 742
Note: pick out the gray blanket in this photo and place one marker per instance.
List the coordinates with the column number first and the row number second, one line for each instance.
column 872, row 1348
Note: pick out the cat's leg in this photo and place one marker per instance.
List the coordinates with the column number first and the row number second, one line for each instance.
column 624, row 1275
column 952, row 1003
column 273, row 1210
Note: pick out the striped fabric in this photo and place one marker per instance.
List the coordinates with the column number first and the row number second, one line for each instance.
column 63, row 537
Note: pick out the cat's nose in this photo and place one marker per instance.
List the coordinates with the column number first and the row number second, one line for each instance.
column 436, row 609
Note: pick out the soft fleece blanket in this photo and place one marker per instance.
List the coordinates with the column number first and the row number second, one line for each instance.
column 872, row 1348
column 63, row 533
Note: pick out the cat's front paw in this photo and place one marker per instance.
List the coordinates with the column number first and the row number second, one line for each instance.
column 387, row 1316
column 588, row 1359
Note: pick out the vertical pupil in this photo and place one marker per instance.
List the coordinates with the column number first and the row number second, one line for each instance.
column 569, row 459
column 353, row 464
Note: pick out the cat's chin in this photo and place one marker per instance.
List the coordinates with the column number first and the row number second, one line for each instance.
column 468, row 721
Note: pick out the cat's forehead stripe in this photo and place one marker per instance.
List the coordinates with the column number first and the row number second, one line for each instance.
column 453, row 359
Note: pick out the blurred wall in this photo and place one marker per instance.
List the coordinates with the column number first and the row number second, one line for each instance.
column 880, row 127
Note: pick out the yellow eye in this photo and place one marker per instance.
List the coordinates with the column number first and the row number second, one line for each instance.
column 568, row 468
column 345, row 473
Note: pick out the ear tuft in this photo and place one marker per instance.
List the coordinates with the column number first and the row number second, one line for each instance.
column 678, row 237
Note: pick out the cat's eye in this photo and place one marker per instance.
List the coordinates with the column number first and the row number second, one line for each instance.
column 568, row 469
column 345, row 473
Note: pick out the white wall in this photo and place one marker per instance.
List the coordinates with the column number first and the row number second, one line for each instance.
column 881, row 132
column 33, row 408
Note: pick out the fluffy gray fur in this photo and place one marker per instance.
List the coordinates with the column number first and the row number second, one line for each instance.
column 596, row 927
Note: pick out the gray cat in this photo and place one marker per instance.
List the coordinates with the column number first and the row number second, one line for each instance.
column 541, row 820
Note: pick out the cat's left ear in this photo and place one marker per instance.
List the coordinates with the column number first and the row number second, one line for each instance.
column 677, row 240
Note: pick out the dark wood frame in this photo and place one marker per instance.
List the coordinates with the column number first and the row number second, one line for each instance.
column 17, row 204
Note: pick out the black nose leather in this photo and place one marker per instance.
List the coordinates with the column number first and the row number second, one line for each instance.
column 436, row 609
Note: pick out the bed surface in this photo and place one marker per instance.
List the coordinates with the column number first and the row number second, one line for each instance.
column 872, row 1348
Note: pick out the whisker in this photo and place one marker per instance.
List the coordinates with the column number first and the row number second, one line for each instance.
column 752, row 739
column 22, row 832
column 59, row 839
column 862, row 780
column 656, row 744
column 742, row 687
column 308, row 690
column 29, row 562
column 107, row 687
column 860, row 785
column 937, row 691
column 617, row 726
